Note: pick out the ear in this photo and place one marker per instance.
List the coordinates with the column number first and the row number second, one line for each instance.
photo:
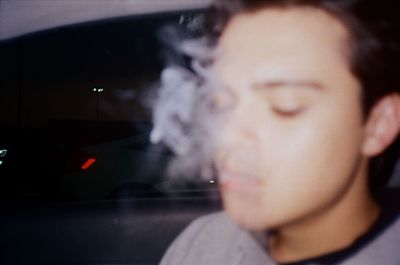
column 383, row 125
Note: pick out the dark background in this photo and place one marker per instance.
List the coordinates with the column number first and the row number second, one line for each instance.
column 53, row 117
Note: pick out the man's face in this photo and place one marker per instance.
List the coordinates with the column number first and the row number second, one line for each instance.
column 291, row 146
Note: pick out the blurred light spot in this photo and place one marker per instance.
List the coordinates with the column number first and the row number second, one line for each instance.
column 3, row 152
column 98, row 90
column 212, row 181
column 88, row 163
column 1, row 163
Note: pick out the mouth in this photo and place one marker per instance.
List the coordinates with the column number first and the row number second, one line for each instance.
column 238, row 182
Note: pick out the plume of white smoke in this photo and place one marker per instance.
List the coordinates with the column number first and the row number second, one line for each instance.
column 188, row 112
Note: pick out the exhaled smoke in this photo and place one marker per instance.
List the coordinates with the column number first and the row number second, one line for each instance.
column 189, row 110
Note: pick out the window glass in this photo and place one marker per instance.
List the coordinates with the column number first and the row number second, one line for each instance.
column 74, row 121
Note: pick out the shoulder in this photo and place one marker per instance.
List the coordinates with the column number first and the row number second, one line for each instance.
column 384, row 250
column 208, row 237
column 384, row 247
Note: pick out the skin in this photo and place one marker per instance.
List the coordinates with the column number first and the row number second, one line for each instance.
column 293, row 154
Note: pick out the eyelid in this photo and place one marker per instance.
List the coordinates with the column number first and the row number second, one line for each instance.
column 288, row 101
column 272, row 85
column 288, row 113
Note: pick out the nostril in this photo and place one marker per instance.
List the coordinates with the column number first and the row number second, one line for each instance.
column 241, row 155
column 224, row 100
column 250, row 135
column 238, row 131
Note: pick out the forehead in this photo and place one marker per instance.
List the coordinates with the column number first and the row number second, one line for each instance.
column 296, row 39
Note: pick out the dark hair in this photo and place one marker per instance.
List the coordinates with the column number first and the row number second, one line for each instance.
column 374, row 52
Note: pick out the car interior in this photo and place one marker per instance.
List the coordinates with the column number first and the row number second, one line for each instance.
column 81, row 182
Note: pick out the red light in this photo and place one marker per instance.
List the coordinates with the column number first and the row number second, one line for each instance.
column 88, row 163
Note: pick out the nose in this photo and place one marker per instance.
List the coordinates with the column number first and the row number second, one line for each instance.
column 238, row 143
column 241, row 125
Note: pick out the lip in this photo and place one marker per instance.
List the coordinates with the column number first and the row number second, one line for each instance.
column 239, row 183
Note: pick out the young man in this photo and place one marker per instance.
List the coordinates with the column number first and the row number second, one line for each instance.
column 315, row 87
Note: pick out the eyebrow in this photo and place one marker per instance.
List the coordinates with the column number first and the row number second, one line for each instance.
column 286, row 83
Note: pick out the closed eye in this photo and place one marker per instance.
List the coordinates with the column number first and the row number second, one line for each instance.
column 287, row 113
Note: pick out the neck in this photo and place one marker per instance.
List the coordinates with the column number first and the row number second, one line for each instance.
column 334, row 228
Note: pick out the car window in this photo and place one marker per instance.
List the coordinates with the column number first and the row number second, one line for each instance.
column 75, row 120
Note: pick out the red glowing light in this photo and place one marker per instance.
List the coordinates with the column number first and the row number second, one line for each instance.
column 88, row 163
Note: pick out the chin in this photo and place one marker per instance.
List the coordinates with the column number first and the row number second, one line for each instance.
column 247, row 216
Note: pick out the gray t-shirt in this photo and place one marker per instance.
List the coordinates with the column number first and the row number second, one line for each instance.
column 215, row 240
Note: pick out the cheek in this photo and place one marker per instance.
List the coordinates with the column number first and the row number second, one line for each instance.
column 324, row 141
column 314, row 148
column 307, row 167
